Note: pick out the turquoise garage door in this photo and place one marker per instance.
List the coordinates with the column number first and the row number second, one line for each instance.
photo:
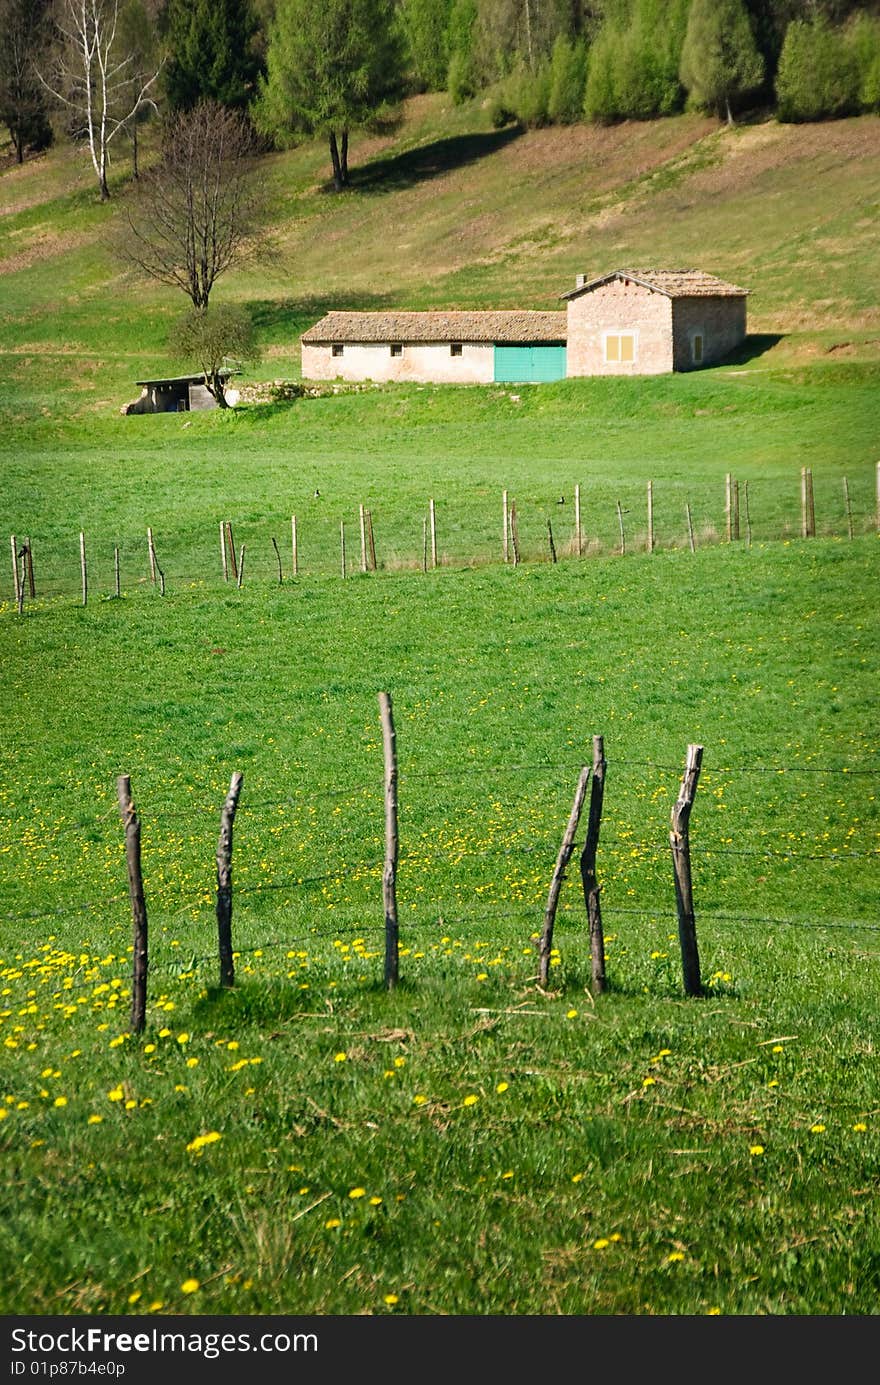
column 521, row 364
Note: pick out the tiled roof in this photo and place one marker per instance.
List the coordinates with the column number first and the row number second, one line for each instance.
column 511, row 326
column 675, row 283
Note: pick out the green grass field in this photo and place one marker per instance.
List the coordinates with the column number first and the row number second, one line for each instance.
column 467, row 1143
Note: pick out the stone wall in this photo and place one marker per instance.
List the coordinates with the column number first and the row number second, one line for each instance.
column 721, row 322
column 611, row 308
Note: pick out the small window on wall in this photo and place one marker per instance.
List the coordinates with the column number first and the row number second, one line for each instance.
column 336, row 349
column 697, row 348
column 396, row 349
column 620, row 347
column 455, row 348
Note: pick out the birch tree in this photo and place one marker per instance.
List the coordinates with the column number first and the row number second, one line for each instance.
column 95, row 77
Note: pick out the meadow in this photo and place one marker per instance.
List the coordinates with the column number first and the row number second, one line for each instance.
column 468, row 1142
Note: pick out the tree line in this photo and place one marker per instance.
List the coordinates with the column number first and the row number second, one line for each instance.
column 95, row 70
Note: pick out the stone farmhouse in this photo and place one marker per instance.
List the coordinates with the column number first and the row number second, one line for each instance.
column 628, row 322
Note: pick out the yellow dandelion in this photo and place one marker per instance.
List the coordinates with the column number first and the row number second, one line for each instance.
column 576, row 1177
column 60, row 1101
column 339, row 1057
column 391, row 1299
column 375, row 1201
column 183, row 1039
column 94, row 1120
column 470, row 1100
column 419, row 1099
column 133, row 1298
column 649, row 1081
column 508, row 1173
column 860, row 1126
column 602, row 1243
column 116, row 1094
column 149, row 1048
column 817, row 1129
column 357, row 1192
column 713, row 1312
column 502, row 1086
column 399, row 1062
column 571, row 1014
column 756, row 1149
column 130, row 1105
column 673, row 1256
column 192, row 1062
column 615, row 1236
column 189, row 1286
column 332, row 1222
column 156, row 1306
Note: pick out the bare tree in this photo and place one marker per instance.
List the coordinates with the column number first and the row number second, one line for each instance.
column 194, row 214
column 95, row 77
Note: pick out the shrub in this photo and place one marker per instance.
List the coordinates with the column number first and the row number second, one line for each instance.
column 818, row 75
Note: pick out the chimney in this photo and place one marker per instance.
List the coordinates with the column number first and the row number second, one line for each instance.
column 580, row 280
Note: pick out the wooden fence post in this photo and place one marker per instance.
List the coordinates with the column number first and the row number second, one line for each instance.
column 687, row 510
column 425, row 545
column 82, row 567
column 342, row 544
column 278, row 558
column 389, row 873
column 151, row 553
column 679, row 840
column 811, row 509
column 514, row 532
column 748, row 514
column 578, row 537
column 846, row 501
column 240, row 577
column 620, row 526
column 546, row 943
column 505, row 545
column 588, row 868
column 805, row 523
column 650, row 516
column 116, row 578
column 371, row 541
column 728, row 507
column 433, row 534
column 735, row 508
column 20, row 580
column 224, row 881
column 29, row 563
column 363, row 527
column 552, row 544
column 230, row 544
column 15, row 579
column 223, row 559
column 293, row 545
column 138, row 905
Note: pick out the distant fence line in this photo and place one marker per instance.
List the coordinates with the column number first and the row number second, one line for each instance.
column 572, row 540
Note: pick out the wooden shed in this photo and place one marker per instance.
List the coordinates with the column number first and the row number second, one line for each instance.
column 175, row 394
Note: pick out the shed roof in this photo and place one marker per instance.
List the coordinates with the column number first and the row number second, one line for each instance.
column 199, row 379
column 675, row 283
column 511, row 326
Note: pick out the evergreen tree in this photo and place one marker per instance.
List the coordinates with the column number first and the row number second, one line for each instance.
column 211, row 53
column 864, row 39
column 818, row 74
column 426, row 29
column 23, row 109
column 720, row 62
column 332, row 65
column 568, row 76
column 461, row 81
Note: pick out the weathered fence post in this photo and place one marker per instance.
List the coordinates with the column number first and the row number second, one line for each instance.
column 293, row 545
column 687, row 510
column 591, row 885
column 425, row 545
column 433, row 534
column 505, row 545
column 138, row 905
column 650, row 516
column 20, row 580
column 224, row 881
column 223, row 559
column 278, row 558
column 808, row 513
column 514, row 532
column 552, row 544
column 116, row 577
column 82, row 567
column 363, row 526
column 546, row 943
column 342, row 544
column 231, row 546
column 728, row 507
column 29, row 563
column 151, row 553
column 620, row 526
column 578, row 537
column 389, row 873
column 846, row 501
column 371, row 541
column 240, row 577
column 748, row 514
column 736, row 508
column 16, row 585
column 679, row 840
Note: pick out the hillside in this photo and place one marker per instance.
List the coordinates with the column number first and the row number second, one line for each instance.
column 446, row 211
